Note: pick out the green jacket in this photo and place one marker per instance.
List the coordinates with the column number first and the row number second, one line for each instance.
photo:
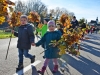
column 43, row 30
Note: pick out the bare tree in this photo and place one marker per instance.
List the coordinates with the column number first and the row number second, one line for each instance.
column 41, row 8
column 71, row 14
column 32, row 5
column 55, row 13
column 20, row 6
column 38, row 6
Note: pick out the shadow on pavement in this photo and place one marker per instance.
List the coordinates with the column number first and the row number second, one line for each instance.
column 34, row 71
column 94, row 36
column 92, row 42
column 84, row 66
column 50, row 65
column 93, row 50
column 64, row 67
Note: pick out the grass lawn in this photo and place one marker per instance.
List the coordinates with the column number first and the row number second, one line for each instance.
column 4, row 35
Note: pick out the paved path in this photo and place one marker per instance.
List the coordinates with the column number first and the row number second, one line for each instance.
column 88, row 63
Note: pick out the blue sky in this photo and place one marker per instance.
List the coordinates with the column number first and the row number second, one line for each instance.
column 88, row 9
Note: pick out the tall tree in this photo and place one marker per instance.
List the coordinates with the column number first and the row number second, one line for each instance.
column 20, row 6
column 56, row 13
column 81, row 21
column 38, row 6
column 32, row 5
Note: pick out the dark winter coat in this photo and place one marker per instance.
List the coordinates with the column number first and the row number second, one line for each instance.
column 50, row 51
column 25, row 36
column 74, row 24
column 83, row 25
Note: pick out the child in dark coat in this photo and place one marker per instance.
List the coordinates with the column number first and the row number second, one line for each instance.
column 51, row 52
column 25, row 40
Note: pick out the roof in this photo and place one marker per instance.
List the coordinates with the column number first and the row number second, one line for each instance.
column 92, row 21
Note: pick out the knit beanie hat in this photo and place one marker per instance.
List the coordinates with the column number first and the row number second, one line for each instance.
column 51, row 23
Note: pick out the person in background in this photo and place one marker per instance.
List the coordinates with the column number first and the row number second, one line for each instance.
column 96, row 29
column 74, row 23
column 59, row 27
column 43, row 30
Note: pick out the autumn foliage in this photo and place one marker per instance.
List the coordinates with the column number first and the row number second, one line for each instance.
column 34, row 17
column 3, row 9
column 70, row 39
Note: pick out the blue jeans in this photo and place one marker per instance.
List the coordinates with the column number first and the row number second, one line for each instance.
column 25, row 53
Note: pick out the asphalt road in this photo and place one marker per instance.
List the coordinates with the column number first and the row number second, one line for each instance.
column 88, row 63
